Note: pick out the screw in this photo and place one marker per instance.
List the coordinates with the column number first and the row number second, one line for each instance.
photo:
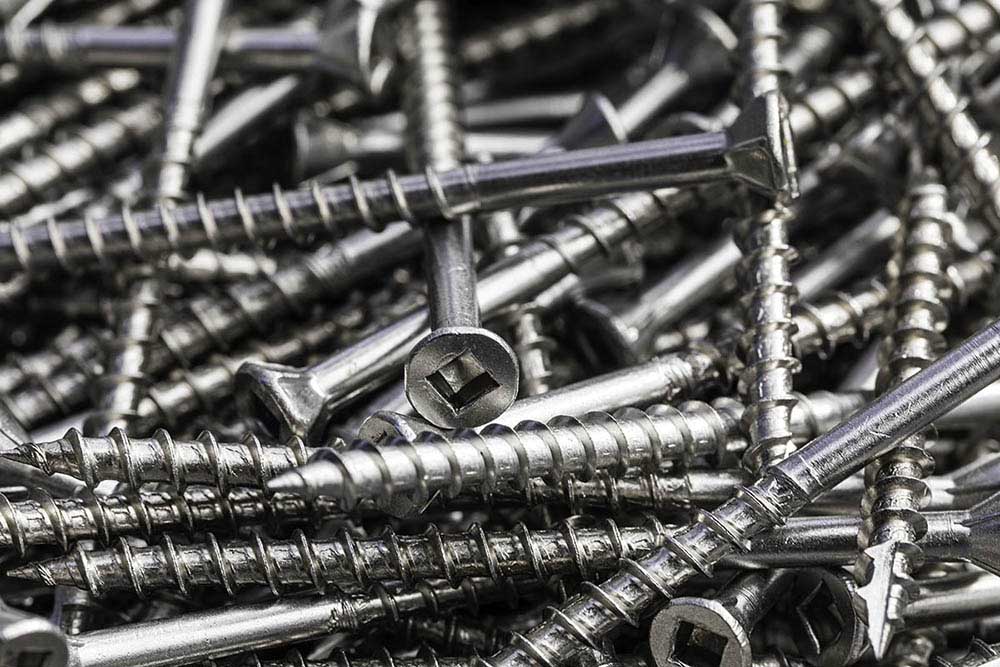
column 304, row 401
column 85, row 148
column 208, row 265
column 979, row 654
column 211, row 322
column 917, row 65
column 664, row 492
column 160, row 458
column 192, row 65
column 721, row 625
column 782, row 489
column 459, row 375
column 26, row 637
column 895, row 493
column 573, row 175
column 43, row 520
column 122, row 386
column 202, row 389
column 34, row 119
column 493, row 459
column 12, row 433
column 626, row 333
column 244, row 627
column 323, row 145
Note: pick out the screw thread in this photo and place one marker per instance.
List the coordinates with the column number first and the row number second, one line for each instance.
column 914, row 648
column 160, row 458
column 86, row 147
column 348, row 563
column 979, row 653
column 434, row 132
column 822, row 108
column 70, row 344
column 640, row 585
column 963, row 27
column 537, row 27
column 500, row 455
column 895, row 490
column 770, row 361
column 37, row 117
column 972, row 164
column 452, row 635
column 169, row 402
column 532, row 347
column 122, row 386
column 43, row 520
column 216, row 321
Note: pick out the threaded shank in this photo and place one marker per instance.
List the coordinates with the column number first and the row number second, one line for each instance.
column 44, row 520
column 972, row 164
column 770, row 361
column 499, row 455
column 348, row 563
column 86, row 148
column 160, row 458
column 122, row 386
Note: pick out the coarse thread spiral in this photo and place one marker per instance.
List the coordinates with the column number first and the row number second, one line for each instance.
column 914, row 648
column 43, row 520
column 980, row 653
column 849, row 316
column 759, row 49
column 123, row 384
column 821, row 109
column 960, row 29
column 536, row 27
column 532, row 347
column 410, row 473
column 170, row 402
column 641, row 586
column 455, row 635
column 434, row 132
column 70, row 343
column 86, row 148
column 763, row 239
column 38, row 116
column 426, row 657
column 348, row 563
column 160, row 458
column 770, row 359
column 971, row 162
column 895, row 490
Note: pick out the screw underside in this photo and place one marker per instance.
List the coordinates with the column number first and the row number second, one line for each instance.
column 427, row 333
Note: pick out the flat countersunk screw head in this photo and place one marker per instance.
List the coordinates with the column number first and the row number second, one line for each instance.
column 462, row 377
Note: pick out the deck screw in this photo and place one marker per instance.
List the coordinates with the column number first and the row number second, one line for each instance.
column 782, row 489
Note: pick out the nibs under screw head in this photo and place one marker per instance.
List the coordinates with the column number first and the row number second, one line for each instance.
column 460, row 377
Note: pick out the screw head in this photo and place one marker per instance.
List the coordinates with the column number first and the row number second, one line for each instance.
column 461, row 377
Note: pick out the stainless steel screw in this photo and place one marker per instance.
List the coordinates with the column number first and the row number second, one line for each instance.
column 246, row 627
column 125, row 380
column 160, row 458
column 84, row 149
column 193, row 61
column 917, row 65
column 723, row 622
column 304, row 401
column 889, row 550
column 43, row 520
column 37, row 117
column 783, row 489
column 548, row 178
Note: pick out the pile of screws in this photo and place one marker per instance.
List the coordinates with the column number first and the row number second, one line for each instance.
column 423, row 333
